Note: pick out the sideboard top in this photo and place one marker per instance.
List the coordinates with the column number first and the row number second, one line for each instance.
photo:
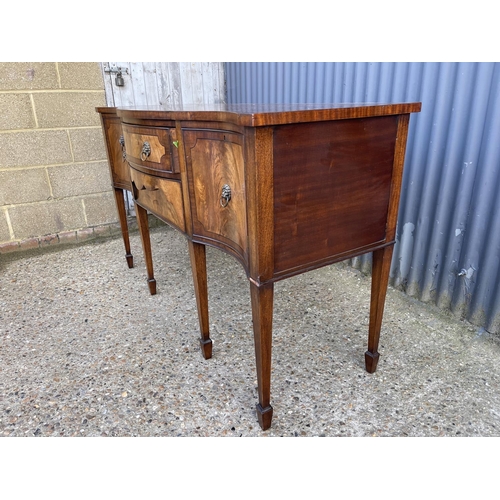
column 257, row 115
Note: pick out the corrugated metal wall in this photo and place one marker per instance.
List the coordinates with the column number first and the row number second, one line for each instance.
column 448, row 239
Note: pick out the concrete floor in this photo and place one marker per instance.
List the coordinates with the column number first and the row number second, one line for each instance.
column 86, row 351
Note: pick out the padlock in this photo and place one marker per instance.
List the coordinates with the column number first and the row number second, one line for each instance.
column 120, row 82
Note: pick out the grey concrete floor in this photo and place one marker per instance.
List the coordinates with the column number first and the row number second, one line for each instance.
column 85, row 350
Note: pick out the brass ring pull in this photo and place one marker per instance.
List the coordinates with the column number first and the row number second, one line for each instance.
column 146, row 151
column 225, row 197
column 122, row 144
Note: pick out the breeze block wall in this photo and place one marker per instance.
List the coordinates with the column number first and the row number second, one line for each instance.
column 55, row 184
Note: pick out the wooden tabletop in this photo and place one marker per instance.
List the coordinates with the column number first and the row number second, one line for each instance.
column 255, row 115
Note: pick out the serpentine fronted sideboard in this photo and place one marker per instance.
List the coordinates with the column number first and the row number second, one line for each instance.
column 282, row 188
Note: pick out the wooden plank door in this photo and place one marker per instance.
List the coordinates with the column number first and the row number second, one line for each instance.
column 164, row 83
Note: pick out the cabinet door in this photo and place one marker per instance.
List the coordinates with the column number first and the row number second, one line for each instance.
column 113, row 134
column 216, row 177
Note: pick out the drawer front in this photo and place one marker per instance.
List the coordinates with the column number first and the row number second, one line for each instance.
column 151, row 147
column 216, row 177
column 162, row 197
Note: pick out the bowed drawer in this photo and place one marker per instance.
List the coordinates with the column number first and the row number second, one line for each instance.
column 151, row 149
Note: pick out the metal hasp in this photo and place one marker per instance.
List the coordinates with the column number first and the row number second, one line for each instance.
column 119, row 81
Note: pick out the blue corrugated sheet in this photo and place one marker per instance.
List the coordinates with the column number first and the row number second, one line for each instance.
column 448, row 238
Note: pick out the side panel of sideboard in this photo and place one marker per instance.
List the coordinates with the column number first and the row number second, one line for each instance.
column 332, row 184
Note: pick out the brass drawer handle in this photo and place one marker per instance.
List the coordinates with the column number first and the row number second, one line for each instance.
column 122, row 144
column 225, row 197
column 146, row 151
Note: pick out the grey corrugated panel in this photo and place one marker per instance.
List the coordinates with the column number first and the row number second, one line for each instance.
column 481, row 251
column 448, row 238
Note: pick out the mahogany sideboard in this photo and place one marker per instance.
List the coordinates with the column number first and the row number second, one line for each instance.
column 284, row 189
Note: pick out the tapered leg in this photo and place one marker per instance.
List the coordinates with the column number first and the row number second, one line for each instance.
column 199, row 269
column 381, row 265
column 142, row 222
column 262, row 315
column 122, row 214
